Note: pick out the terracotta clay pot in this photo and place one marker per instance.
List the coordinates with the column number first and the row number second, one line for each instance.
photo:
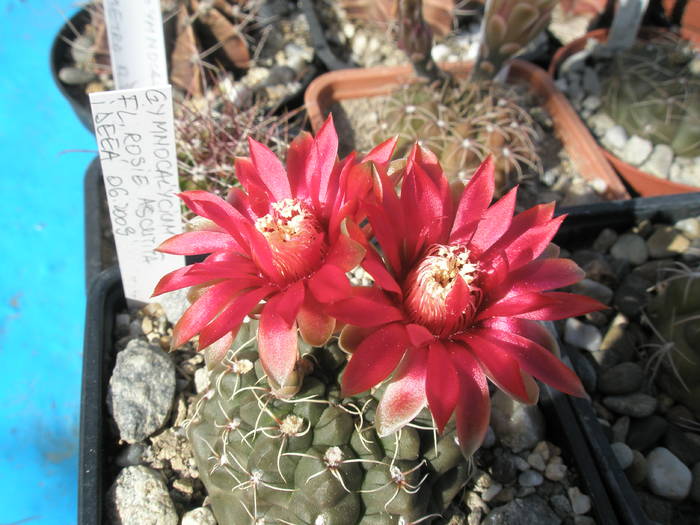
column 685, row 13
column 643, row 183
column 335, row 86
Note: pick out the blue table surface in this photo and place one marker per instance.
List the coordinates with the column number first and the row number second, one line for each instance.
column 42, row 294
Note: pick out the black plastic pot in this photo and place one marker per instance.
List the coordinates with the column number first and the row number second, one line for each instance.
column 61, row 56
column 105, row 300
column 583, row 224
column 98, row 443
column 100, row 251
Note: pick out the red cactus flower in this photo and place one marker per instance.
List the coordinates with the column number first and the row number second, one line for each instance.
column 279, row 240
column 457, row 299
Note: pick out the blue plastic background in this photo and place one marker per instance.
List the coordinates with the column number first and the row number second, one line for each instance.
column 42, row 295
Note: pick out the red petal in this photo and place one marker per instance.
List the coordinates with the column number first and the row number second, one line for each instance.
column 232, row 316
column 329, row 284
column 290, row 301
column 560, row 305
column 533, row 330
column 216, row 352
column 517, row 305
column 532, row 243
column 441, row 385
column 494, row 223
column 474, row 405
column 315, row 325
column 259, row 196
column 297, row 157
column 369, row 307
column 418, row 334
column 474, row 201
column 501, row 368
column 277, row 344
column 374, row 359
column 352, row 336
column 192, row 276
column 326, row 152
column 519, row 225
column 538, row 276
column 198, row 242
column 346, row 254
column 203, row 310
column 536, row 360
column 404, row 396
column 216, row 209
column 382, row 153
column 270, row 170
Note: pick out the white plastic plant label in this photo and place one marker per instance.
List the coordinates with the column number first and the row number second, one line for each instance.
column 136, row 46
column 136, row 142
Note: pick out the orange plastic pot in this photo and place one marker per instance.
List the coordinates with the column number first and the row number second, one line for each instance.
column 581, row 147
column 643, row 183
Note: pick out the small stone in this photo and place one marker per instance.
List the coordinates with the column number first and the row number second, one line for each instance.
column 141, row 390
column 584, row 520
column 130, row 456
column 646, row 432
column 580, row 503
column 685, row 171
column 521, row 464
column 600, row 123
column 489, row 438
column 555, row 471
column 631, row 295
column 491, row 492
column 139, row 495
column 680, row 416
column 620, row 429
column 201, row 380
column 623, row 454
column 199, row 516
column 659, row 162
column 536, row 461
column 667, row 476
column 666, row 241
column 530, row 510
column 517, row 426
column 582, row 335
column 636, row 151
column 591, row 82
column 637, row 471
column 439, row 52
column 684, row 445
column 504, row 469
column 630, row 247
column 695, row 486
column 146, row 325
column 174, row 304
column 593, row 289
column 591, row 102
column 530, row 478
column 605, row 240
column 634, row 405
column 615, row 139
column 690, row 227
column 543, row 449
column 561, row 505
column 624, row 378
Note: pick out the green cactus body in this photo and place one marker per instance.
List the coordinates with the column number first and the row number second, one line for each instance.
column 652, row 92
column 675, row 313
column 314, row 459
column 462, row 123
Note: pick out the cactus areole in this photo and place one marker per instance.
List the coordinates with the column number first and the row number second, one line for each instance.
column 459, row 285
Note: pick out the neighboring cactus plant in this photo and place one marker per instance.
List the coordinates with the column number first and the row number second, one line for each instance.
column 314, row 459
column 508, row 27
column 675, row 316
column 439, row 14
column 651, row 90
column 464, row 122
column 213, row 129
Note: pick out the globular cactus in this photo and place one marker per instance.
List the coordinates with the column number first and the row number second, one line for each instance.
column 653, row 92
column 508, row 26
column 464, row 122
column 675, row 315
column 314, row 458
